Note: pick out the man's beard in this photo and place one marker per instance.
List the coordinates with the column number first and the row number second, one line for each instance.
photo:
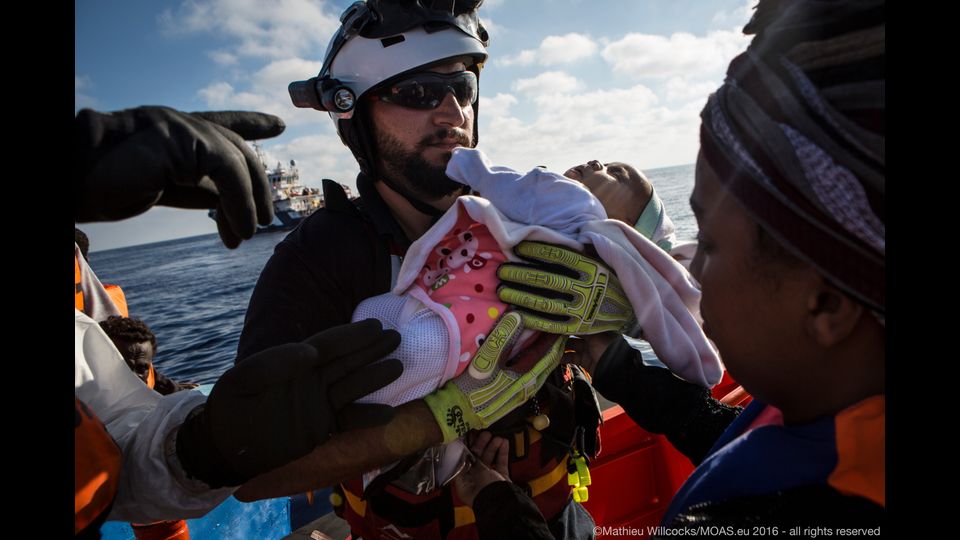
column 410, row 170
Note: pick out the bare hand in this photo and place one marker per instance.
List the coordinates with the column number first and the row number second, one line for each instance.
column 586, row 351
column 489, row 451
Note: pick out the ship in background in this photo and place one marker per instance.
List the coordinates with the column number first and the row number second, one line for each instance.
column 292, row 201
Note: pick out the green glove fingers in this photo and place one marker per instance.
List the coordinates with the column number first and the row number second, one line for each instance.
column 535, row 277
column 549, row 253
column 488, row 355
column 588, row 301
column 471, row 402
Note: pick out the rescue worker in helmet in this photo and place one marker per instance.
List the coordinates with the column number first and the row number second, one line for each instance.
column 400, row 81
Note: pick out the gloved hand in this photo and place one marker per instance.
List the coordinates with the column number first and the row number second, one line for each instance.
column 130, row 160
column 564, row 292
column 278, row 404
column 487, row 391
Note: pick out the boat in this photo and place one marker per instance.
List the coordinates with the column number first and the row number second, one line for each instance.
column 633, row 480
column 292, row 201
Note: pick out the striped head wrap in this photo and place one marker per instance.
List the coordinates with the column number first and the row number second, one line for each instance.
column 796, row 135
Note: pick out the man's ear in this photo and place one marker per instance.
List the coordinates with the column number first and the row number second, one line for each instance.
column 831, row 314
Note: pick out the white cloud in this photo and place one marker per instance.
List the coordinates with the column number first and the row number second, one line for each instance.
column 81, row 82
column 218, row 95
column 223, row 58
column 626, row 124
column 548, row 82
column 736, row 17
column 680, row 89
column 522, row 58
column 262, row 29
column 266, row 90
column 498, row 105
column 554, row 50
column 81, row 99
column 642, row 56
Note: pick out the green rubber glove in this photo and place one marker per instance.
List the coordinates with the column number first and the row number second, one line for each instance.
column 564, row 292
column 487, row 392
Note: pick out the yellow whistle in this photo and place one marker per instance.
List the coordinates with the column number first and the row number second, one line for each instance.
column 541, row 422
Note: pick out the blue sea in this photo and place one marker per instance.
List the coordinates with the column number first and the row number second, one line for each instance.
column 193, row 292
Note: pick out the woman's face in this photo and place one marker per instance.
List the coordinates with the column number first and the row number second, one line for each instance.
column 753, row 309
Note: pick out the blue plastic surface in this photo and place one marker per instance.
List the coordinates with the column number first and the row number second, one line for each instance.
column 267, row 520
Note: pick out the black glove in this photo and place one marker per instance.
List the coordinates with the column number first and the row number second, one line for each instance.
column 279, row 404
column 127, row 161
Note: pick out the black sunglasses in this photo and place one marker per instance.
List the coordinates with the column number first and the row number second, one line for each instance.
column 426, row 90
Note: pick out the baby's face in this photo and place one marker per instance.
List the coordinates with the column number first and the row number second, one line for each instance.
column 622, row 190
column 594, row 174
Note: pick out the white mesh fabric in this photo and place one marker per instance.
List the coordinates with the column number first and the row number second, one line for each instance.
column 423, row 349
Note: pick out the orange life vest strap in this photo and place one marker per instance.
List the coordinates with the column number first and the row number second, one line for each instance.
column 151, row 378
column 463, row 515
column 543, row 483
column 78, row 290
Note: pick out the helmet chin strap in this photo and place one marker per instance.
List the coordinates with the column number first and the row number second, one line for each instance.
column 419, row 205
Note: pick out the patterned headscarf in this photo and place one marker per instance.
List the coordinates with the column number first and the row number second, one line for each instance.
column 796, row 134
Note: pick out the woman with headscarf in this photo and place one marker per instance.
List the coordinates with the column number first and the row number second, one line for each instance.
column 789, row 199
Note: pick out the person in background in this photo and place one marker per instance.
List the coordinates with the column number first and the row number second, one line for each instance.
column 789, row 199
column 138, row 346
column 83, row 243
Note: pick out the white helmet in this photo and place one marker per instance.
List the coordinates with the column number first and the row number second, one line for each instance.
column 380, row 41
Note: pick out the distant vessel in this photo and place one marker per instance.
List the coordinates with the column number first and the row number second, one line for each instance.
column 292, row 201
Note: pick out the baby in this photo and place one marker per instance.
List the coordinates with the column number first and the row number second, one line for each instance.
column 445, row 299
column 627, row 195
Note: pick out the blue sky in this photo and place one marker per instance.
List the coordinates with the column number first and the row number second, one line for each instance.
column 567, row 80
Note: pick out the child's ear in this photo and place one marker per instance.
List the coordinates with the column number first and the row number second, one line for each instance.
column 831, row 314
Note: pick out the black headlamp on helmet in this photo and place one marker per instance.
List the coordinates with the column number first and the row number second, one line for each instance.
column 380, row 39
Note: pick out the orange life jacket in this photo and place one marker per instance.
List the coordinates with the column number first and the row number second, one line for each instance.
column 114, row 291
column 96, row 467
column 119, row 299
